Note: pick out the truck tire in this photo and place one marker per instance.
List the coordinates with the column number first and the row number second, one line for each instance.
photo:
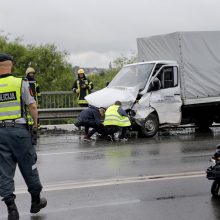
column 151, row 126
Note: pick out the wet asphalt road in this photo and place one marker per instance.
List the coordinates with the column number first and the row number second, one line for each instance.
column 162, row 178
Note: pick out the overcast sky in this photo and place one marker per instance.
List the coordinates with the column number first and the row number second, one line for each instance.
column 96, row 32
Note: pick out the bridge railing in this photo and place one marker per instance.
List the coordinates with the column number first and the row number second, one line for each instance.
column 58, row 99
column 59, row 113
column 58, row 105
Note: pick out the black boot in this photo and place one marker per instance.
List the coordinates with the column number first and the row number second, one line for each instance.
column 37, row 203
column 12, row 210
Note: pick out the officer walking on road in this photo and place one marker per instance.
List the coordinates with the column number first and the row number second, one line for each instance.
column 15, row 142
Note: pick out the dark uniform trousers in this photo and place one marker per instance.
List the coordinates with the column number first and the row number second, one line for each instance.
column 16, row 148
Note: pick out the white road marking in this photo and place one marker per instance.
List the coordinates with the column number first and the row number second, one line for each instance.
column 63, row 153
column 109, row 182
column 113, row 203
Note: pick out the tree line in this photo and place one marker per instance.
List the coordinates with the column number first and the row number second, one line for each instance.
column 53, row 71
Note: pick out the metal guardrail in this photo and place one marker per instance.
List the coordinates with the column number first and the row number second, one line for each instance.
column 58, row 99
column 58, row 105
column 62, row 104
column 59, row 113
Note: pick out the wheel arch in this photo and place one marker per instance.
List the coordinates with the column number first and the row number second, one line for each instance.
column 150, row 125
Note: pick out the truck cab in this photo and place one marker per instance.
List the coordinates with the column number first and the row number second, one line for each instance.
column 159, row 104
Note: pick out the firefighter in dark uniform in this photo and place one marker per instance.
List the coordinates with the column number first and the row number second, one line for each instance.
column 35, row 92
column 15, row 142
column 34, row 86
column 82, row 87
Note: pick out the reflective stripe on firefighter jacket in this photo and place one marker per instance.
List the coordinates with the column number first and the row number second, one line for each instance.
column 112, row 117
column 83, row 92
column 34, row 86
column 10, row 98
column 30, row 120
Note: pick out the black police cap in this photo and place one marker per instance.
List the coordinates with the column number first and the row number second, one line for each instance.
column 5, row 57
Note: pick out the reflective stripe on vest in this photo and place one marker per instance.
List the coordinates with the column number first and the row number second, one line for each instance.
column 112, row 117
column 82, row 101
column 10, row 98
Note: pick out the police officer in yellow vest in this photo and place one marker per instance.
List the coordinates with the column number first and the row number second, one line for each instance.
column 15, row 140
column 116, row 118
column 82, row 87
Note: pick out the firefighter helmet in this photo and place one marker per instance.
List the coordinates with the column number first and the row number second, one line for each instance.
column 81, row 71
column 30, row 70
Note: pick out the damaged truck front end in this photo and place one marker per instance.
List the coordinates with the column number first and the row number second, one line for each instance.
column 138, row 87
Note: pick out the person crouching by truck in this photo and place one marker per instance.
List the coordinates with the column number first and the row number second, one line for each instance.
column 35, row 92
column 91, row 117
column 82, row 87
column 116, row 119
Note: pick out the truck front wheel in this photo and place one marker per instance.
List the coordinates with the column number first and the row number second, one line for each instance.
column 150, row 126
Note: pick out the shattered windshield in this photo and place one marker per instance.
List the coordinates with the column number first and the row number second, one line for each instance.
column 132, row 76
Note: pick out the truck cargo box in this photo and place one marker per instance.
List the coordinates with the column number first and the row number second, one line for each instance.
column 198, row 55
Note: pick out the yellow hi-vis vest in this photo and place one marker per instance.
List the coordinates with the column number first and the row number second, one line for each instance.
column 10, row 98
column 112, row 117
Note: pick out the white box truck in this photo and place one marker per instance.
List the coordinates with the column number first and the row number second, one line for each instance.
column 176, row 82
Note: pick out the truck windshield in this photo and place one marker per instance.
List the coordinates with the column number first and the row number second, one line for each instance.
column 132, row 76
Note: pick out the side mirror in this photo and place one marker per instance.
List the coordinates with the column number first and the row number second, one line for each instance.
column 107, row 84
